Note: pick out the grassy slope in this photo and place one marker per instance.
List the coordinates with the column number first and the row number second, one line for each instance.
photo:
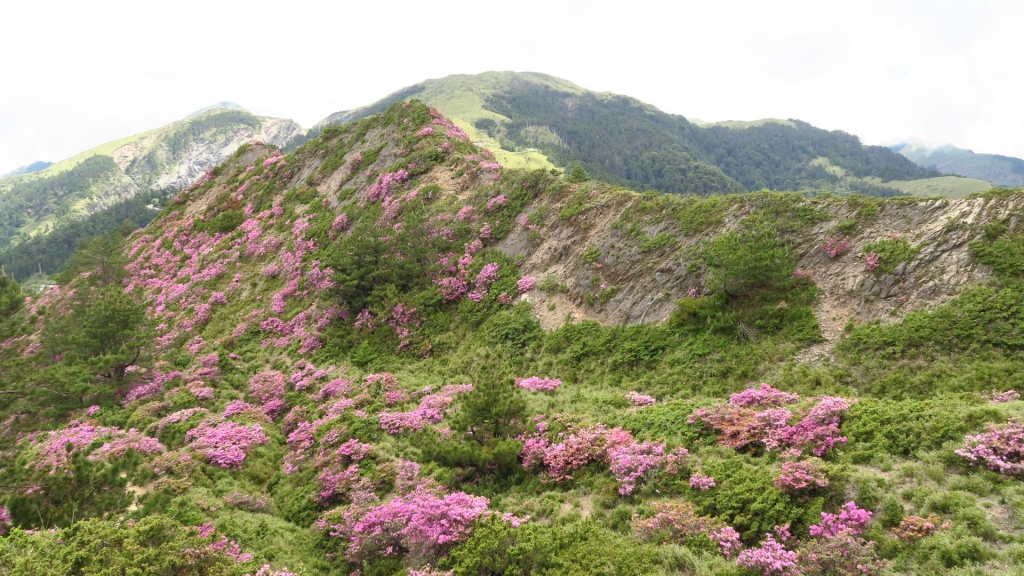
column 944, row 186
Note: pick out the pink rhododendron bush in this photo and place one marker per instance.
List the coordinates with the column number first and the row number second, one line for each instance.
column 385, row 352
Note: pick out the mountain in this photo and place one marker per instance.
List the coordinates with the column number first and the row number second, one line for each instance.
column 1002, row 171
column 152, row 164
column 33, row 167
column 535, row 120
column 386, row 354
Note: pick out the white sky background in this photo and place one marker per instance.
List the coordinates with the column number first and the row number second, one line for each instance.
column 76, row 74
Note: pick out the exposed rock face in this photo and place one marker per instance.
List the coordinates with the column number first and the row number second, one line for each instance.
column 649, row 284
column 207, row 153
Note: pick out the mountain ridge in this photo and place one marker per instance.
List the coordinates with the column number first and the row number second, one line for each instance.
column 1000, row 170
column 680, row 158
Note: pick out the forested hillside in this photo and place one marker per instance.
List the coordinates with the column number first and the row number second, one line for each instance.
column 386, row 354
column 622, row 140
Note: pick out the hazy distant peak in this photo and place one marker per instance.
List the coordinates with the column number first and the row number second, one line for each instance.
column 218, row 106
column 33, row 167
column 917, row 143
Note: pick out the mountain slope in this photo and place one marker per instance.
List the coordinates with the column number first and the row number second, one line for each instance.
column 527, row 118
column 154, row 162
column 1002, row 171
column 386, row 353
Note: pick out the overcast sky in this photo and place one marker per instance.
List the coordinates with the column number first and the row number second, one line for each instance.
column 77, row 74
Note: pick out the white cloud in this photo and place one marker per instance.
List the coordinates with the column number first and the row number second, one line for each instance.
column 77, row 74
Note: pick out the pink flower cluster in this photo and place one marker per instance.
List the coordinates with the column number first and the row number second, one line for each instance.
column 497, row 201
column 871, row 261
column 631, row 462
column 702, row 482
column 1000, row 449
column 226, row 443
column 268, row 389
column 915, row 527
column 640, row 399
column 421, row 524
column 525, row 284
column 997, row 397
column 54, row 448
column 836, row 246
column 5, row 520
column 432, row 409
column 771, row 558
column 764, row 395
column 801, row 475
column 538, row 384
column 386, row 184
column 739, row 425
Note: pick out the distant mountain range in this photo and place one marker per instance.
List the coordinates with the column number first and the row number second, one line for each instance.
column 33, row 167
column 1003, row 171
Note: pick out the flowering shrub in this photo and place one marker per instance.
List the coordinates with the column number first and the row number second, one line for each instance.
column 225, row 444
column 525, row 284
column 915, row 527
column 770, row 559
column 421, row 524
column 674, row 522
column 1000, row 449
column 871, row 261
column 538, row 384
column 702, row 482
column 997, row 397
column 763, row 395
column 432, row 409
column 851, row 520
column 741, row 426
column 640, row 399
column 836, row 246
column 800, row 475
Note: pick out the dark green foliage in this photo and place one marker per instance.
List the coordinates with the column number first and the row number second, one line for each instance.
column 515, row 330
column 49, row 252
column 620, row 140
column 580, row 548
column 744, row 263
column 904, row 427
column 666, row 421
column 982, row 320
column 1003, row 252
column 100, row 257
column 153, row 546
column 577, row 175
column 107, row 329
column 11, row 297
column 891, row 252
column 746, row 498
column 224, row 222
column 49, row 196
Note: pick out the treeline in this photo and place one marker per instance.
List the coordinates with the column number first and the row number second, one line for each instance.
column 51, row 252
column 622, row 140
column 50, row 196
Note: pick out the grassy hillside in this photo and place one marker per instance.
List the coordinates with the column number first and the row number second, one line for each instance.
column 337, row 360
column 943, row 186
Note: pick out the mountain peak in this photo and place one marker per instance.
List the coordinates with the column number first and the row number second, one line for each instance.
column 225, row 105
